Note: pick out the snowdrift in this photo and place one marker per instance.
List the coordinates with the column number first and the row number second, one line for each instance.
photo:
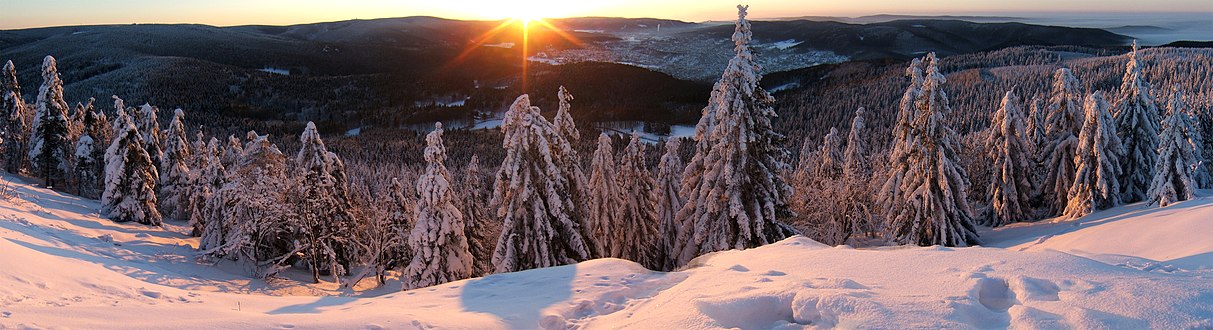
column 1131, row 267
column 1178, row 237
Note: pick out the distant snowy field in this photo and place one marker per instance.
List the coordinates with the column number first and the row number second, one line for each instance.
column 1130, row 267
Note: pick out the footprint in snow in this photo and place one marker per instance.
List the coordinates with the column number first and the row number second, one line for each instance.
column 150, row 294
column 1036, row 289
column 994, row 294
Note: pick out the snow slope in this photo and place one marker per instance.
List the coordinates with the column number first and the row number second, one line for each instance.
column 1175, row 237
column 61, row 266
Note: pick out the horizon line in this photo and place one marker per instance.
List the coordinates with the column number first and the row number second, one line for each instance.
column 1001, row 15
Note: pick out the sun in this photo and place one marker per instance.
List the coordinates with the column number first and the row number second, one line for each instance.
column 526, row 21
column 526, row 17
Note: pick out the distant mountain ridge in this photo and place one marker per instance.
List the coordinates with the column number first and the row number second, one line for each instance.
column 879, row 18
column 911, row 37
column 341, row 71
column 1190, row 44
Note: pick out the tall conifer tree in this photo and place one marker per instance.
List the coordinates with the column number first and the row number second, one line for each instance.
column 735, row 195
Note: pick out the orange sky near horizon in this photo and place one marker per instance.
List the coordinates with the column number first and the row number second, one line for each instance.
column 25, row 14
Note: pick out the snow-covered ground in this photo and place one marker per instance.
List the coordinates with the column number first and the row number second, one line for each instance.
column 1131, row 267
column 1172, row 239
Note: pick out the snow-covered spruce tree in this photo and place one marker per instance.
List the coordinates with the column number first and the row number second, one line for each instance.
column 75, row 120
column 806, row 165
column 1035, row 136
column 1063, row 123
column 97, row 125
column 249, row 220
column 569, row 163
column 198, row 157
column 1179, row 158
column 897, row 165
column 531, row 195
column 854, row 158
column 341, row 180
column 147, row 119
column 1137, row 122
column 829, row 157
column 735, row 196
column 1097, row 159
column 906, row 106
column 251, row 136
column 322, row 207
column 86, row 166
column 233, row 152
column 564, row 120
column 401, row 220
column 973, row 156
column 130, row 180
column 925, row 195
column 120, row 112
column 208, row 178
column 381, row 241
column 50, row 148
column 636, row 232
column 1204, row 171
column 692, row 172
column 440, row 249
column 90, row 154
column 75, row 125
column 856, row 180
column 16, row 128
column 1037, row 139
column 1204, row 144
column 384, row 242
column 668, row 200
column 175, row 171
column 478, row 228
column 1010, row 185
column 604, row 199
column 821, row 195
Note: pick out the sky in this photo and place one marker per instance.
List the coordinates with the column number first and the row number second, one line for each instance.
column 39, row 13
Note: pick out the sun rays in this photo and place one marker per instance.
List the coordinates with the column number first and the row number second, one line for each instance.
column 524, row 27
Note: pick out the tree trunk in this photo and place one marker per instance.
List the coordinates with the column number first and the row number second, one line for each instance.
column 315, row 263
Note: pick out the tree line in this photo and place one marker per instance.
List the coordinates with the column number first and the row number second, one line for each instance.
column 1065, row 154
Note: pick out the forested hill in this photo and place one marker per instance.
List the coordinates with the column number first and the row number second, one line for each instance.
column 907, row 38
column 393, row 71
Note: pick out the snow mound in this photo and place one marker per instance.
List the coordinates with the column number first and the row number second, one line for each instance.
column 1179, row 236
column 62, row 266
